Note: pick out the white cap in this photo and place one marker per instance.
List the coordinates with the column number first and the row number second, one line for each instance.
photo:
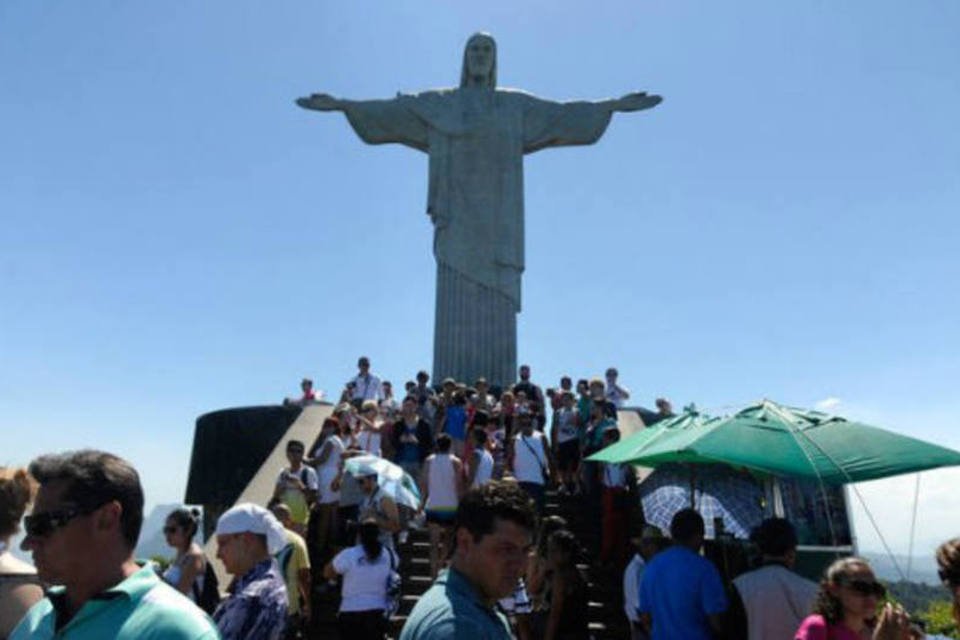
column 248, row 517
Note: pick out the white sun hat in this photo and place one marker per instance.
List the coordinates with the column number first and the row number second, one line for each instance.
column 255, row 519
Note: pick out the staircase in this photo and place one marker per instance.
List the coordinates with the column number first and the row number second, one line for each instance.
column 607, row 621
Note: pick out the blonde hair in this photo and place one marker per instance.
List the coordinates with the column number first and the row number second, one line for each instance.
column 17, row 489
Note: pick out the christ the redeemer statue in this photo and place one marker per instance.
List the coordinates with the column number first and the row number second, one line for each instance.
column 476, row 136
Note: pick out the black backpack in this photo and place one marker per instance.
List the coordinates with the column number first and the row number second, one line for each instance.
column 209, row 598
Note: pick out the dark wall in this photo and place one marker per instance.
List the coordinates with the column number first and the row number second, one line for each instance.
column 229, row 446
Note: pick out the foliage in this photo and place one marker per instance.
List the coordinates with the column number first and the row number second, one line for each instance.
column 939, row 619
column 926, row 603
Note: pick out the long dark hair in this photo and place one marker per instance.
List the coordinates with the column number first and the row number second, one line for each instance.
column 827, row 604
column 370, row 539
column 186, row 519
column 547, row 526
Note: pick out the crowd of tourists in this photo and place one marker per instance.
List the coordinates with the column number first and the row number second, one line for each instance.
column 502, row 567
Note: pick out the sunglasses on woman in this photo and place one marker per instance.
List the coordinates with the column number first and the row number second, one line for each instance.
column 41, row 525
column 866, row 588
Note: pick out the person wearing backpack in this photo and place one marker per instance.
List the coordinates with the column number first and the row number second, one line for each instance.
column 370, row 584
column 297, row 486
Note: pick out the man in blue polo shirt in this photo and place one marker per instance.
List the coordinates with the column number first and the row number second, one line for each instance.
column 493, row 532
column 82, row 530
column 681, row 593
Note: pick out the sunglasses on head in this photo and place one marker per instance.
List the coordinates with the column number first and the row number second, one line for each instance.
column 41, row 525
column 866, row 588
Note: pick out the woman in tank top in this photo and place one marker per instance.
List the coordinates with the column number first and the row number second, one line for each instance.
column 441, row 484
column 186, row 572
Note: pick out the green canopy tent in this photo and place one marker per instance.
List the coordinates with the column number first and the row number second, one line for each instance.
column 779, row 442
column 782, row 441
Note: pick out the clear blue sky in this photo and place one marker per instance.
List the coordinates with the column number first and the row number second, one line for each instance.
column 177, row 237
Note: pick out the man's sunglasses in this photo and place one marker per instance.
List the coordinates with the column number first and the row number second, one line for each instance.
column 41, row 525
column 866, row 588
column 950, row 579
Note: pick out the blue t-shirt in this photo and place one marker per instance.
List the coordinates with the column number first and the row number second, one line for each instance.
column 679, row 589
column 456, row 423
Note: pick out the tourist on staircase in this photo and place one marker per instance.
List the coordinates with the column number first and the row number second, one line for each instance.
column 412, row 438
column 565, row 441
column 617, row 481
column 441, row 485
column 326, row 457
column 481, row 462
column 294, row 563
column 368, row 437
column 296, row 486
column 366, row 568
column 376, row 505
column 532, row 464
column 566, row 591
column 366, row 386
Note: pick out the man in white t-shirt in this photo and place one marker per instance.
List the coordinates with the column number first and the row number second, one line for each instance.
column 366, row 386
column 531, row 462
column 614, row 392
column 297, row 487
column 650, row 542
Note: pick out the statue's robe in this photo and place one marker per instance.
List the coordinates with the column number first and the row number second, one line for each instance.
column 476, row 139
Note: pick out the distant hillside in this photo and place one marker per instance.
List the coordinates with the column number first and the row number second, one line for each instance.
column 924, row 569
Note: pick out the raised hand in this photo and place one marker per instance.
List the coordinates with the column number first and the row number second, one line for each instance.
column 320, row 102
column 636, row 102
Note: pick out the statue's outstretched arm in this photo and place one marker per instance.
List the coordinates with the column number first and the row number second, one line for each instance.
column 322, row 102
column 634, row 102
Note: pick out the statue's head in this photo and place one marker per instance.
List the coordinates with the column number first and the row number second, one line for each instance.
column 479, row 61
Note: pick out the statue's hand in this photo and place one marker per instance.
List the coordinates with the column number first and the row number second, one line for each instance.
column 636, row 102
column 320, row 102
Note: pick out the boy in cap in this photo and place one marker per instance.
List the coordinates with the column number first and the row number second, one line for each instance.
column 248, row 536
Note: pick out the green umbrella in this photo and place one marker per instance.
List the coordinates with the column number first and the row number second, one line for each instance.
column 784, row 441
column 629, row 448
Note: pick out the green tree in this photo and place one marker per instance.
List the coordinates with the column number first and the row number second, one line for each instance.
column 939, row 619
